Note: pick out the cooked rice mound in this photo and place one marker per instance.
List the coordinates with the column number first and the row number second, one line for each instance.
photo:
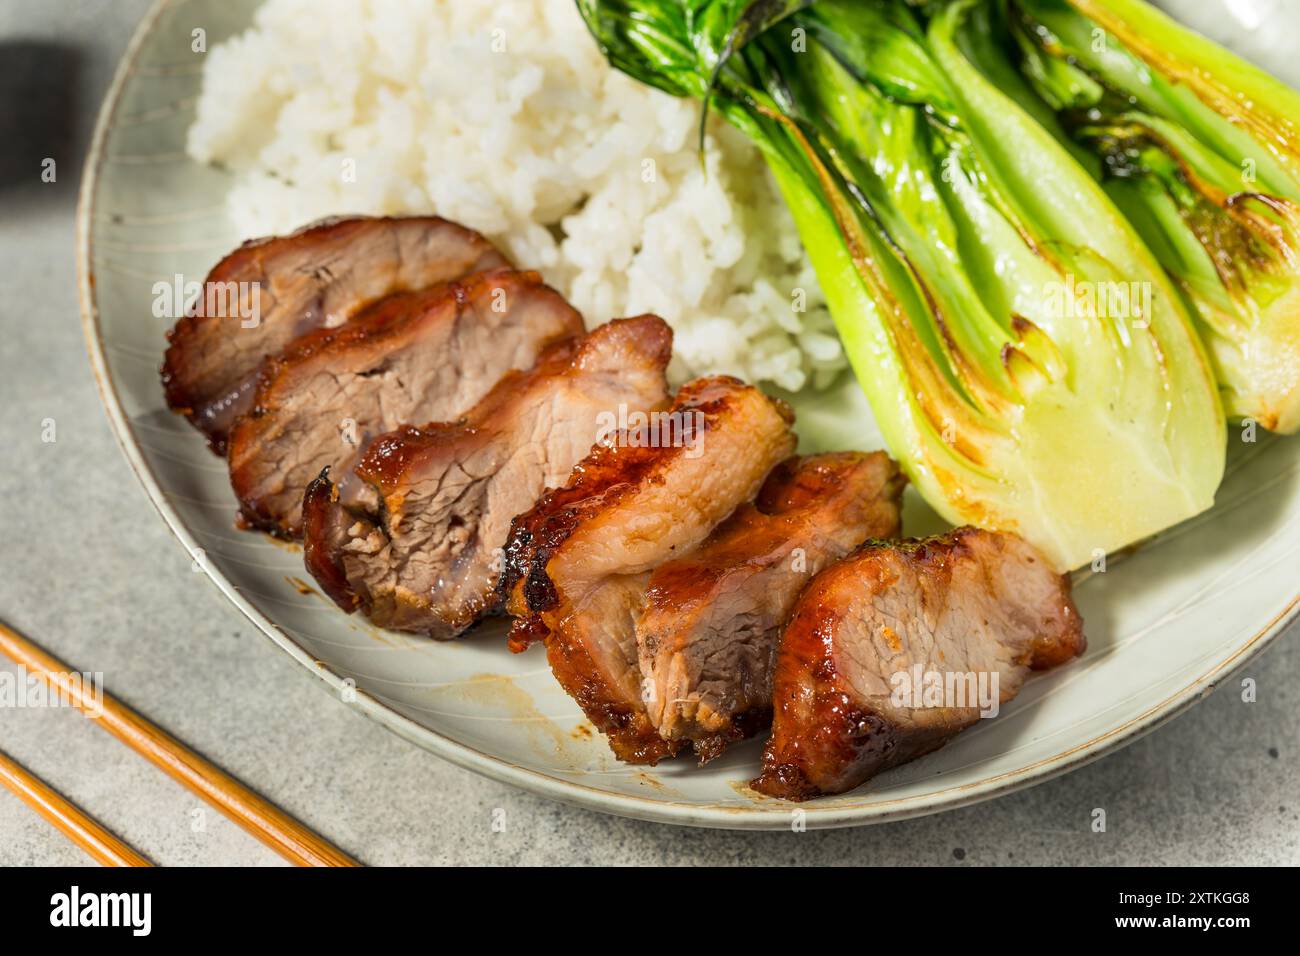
column 502, row 114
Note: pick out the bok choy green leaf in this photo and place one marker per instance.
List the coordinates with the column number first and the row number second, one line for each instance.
column 1028, row 361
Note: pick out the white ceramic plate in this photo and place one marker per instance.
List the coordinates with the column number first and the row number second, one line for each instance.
column 1164, row 625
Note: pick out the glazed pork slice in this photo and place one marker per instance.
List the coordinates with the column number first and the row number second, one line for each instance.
column 577, row 564
column 896, row 649
column 270, row 291
column 707, row 640
column 425, row 356
column 418, row 546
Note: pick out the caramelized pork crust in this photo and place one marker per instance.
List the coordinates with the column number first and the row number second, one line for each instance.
column 418, row 543
column 270, row 291
column 420, row 356
column 873, row 636
column 707, row 640
column 578, row 562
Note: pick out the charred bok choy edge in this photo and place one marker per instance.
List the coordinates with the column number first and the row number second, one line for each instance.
column 1199, row 149
column 972, row 266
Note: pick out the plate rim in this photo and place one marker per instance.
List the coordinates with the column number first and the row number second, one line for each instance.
column 777, row 816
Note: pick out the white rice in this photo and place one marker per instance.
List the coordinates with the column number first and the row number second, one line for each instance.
column 503, row 115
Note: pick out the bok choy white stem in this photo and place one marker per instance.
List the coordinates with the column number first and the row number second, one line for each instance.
column 1027, row 359
column 1200, row 150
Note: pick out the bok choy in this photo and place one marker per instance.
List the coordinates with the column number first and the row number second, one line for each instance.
column 1200, row 150
column 1028, row 361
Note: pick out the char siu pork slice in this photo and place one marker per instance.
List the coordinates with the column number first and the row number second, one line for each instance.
column 425, row 356
column 577, row 564
column 707, row 640
column 418, row 546
column 896, row 649
column 269, row 291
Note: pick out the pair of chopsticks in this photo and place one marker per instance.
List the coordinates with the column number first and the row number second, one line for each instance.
column 259, row 817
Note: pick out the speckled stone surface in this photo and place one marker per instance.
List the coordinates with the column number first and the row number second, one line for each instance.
column 89, row 570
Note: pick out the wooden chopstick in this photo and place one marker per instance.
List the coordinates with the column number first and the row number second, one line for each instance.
column 66, row 816
column 255, row 814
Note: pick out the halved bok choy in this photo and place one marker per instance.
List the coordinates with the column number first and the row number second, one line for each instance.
column 1027, row 359
column 1199, row 149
